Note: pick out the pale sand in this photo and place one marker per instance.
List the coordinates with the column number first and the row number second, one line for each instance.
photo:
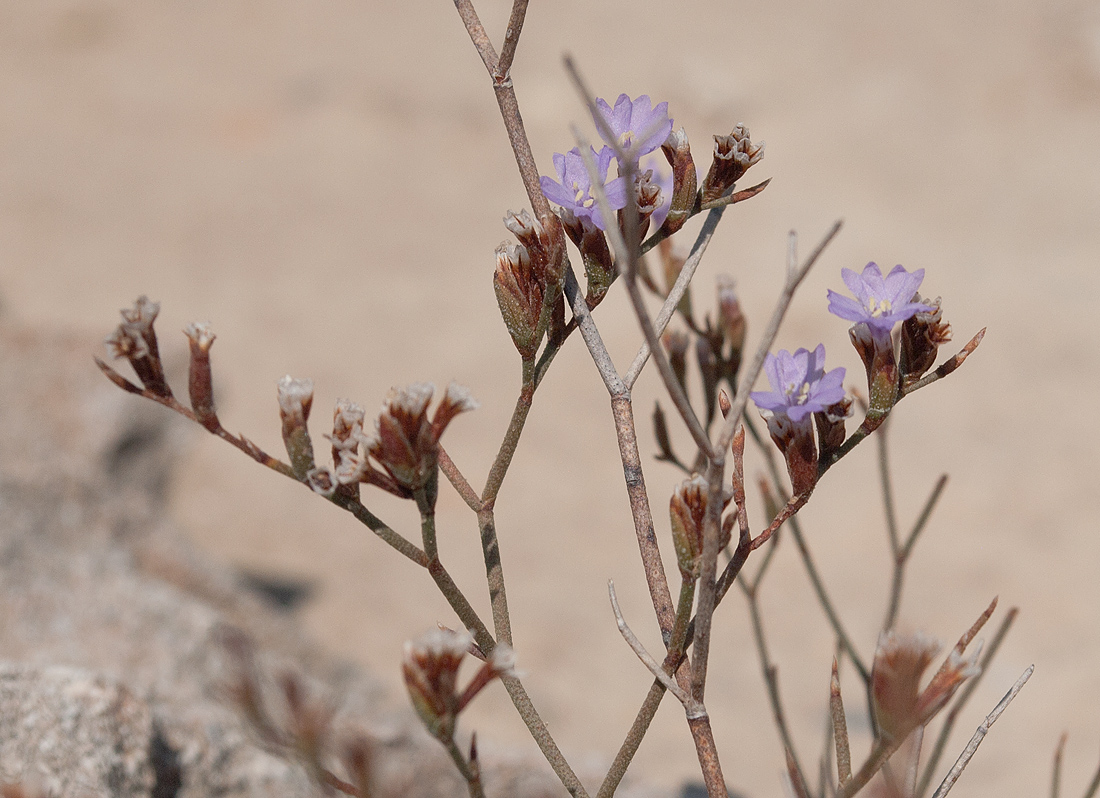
column 325, row 184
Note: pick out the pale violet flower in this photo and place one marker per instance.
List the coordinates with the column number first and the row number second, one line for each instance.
column 799, row 384
column 636, row 126
column 880, row 302
column 573, row 188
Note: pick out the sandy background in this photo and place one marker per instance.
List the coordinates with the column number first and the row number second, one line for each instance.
column 324, row 182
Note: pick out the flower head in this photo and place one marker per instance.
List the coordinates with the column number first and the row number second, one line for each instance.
column 799, row 384
column 881, row 302
column 572, row 189
column 637, row 127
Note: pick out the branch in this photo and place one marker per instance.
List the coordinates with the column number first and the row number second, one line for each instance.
column 979, row 735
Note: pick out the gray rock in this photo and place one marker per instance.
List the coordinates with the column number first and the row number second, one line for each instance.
column 117, row 683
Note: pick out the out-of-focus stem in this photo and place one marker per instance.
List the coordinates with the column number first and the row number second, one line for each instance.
column 473, row 779
column 771, row 675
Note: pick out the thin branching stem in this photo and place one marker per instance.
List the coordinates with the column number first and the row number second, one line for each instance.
column 979, row 735
column 960, row 702
column 771, row 675
column 511, row 41
column 672, row 301
column 888, row 490
column 1056, row 771
column 901, row 554
column 470, row 774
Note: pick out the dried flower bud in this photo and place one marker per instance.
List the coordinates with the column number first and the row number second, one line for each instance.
column 599, row 266
column 731, row 321
column 954, row 671
column 921, row 337
column 796, row 441
column 672, row 263
column 900, row 661
column 733, row 155
column 830, row 426
column 676, row 342
column 519, row 297
column 347, row 429
column 708, row 370
column 199, row 377
column 660, row 430
column 536, row 240
column 358, row 759
column 647, row 194
column 322, row 480
column 688, row 511
column 406, row 443
column 295, row 401
column 430, row 668
column 136, row 341
column 685, row 182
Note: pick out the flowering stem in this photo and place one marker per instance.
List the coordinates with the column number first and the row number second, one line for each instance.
column 511, row 40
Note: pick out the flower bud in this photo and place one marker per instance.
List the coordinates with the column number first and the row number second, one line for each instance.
column 733, row 155
column 688, row 511
column 199, row 378
column 648, row 196
column 830, row 426
column 599, row 267
column 136, row 341
column 519, row 296
column 921, row 336
column 685, row 182
column 406, row 444
column 796, row 441
column 660, row 431
column 295, row 401
column 731, row 321
column 676, row 343
column 430, row 668
column 900, row 662
column 708, row 370
column 672, row 263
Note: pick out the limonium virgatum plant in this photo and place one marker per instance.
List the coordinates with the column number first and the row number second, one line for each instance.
column 617, row 224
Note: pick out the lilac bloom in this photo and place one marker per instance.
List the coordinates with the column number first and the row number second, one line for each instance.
column 572, row 189
column 637, row 127
column 881, row 302
column 799, row 383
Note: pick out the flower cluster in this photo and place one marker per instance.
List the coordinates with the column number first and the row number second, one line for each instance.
column 801, row 388
column 633, row 131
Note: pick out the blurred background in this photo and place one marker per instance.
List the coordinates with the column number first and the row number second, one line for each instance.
column 325, row 183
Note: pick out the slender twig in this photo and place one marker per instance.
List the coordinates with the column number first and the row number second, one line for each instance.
column 685, row 698
column 1094, row 785
column 591, row 335
column 672, row 301
column 979, row 735
column 461, row 485
column 948, row 366
column 470, row 774
column 960, row 702
column 511, row 40
column 537, row 727
column 888, row 490
column 901, row 554
column 840, row 728
column 771, row 677
column 1056, row 771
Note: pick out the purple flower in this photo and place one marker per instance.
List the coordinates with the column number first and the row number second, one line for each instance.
column 572, row 189
column 799, row 383
column 638, row 127
column 881, row 302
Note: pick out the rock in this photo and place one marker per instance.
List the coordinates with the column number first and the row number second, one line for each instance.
column 116, row 681
column 73, row 733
